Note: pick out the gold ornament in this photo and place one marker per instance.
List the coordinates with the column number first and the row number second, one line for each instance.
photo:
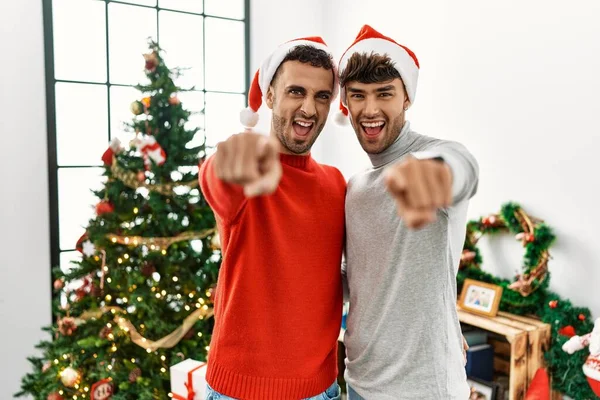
column 132, row 180
column 69, row 377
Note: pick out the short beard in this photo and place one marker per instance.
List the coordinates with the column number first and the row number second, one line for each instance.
column 393, row 133
column 279, row 125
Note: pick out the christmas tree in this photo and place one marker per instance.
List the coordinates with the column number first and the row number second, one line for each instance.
column 139, row 300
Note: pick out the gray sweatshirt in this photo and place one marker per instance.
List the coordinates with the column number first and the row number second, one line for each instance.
column 403, row 337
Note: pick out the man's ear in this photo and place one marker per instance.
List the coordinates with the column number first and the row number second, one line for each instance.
column 406, row 103
column 270, row 96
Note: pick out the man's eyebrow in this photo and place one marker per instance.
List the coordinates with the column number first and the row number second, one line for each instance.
column 386, row 88
column 296, row 87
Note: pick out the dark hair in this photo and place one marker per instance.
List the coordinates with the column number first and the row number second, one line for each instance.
column 308, row 55
column 365, row 68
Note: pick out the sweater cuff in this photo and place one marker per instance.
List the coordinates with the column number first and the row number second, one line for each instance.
column 458, row 177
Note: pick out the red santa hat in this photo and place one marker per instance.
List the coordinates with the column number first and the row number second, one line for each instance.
column 263, row 77
column 370, row 41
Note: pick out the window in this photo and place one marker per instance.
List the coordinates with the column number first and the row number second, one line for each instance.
column 94, row 58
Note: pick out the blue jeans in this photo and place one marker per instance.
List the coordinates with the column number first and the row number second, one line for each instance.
column 352, row 395
column 332, row 393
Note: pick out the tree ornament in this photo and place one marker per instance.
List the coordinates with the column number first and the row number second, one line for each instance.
column 67, row 325
column 55, row 396
column 553, row 303
column 69, row 377
column 151, row 61
column 104, row 207
column 134, row 374
column 137, row 107
column 59, row 284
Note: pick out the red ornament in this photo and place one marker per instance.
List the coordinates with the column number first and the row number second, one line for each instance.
column 102, row 390
column 66, row 326
column 151, row 61
column 113, row 148
column 581, row 317
column 104, row 207
column 174, row 101
column 59, row 284
column 141, row 176
column 55, row 396
column 79, row 244
column 529, row 237
column 553, row 303
column 567, row 331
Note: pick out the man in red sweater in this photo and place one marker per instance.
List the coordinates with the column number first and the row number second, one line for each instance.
column 280, row 215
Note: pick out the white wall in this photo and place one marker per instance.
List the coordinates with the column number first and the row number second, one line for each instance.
column 24, row 221
column 518, row 83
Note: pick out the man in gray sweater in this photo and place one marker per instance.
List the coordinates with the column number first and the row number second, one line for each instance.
column 405, row 221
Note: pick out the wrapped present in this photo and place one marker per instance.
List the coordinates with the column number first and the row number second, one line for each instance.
column 188, row 380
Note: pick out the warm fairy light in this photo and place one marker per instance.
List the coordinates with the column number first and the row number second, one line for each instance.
column 148, row 351
column 139, row 299
column 87, row 389
column 153, row 288
column 178, row 296
column 112, row 311
column 135, row 242
column 198, row 305
column 65, row 356
column 111, row 336
column 158, row 295
column 125, row 300
column 108, row 280
column 96, row 258
column 199, row 334
column 152, row 247
column 55, row 361
column 61, row 392
column 105, row 269
column 175, row 279
column 142, row 326
column 108, row 297
column 114, row 240
column 191, row 295
column 164, row 252
column 207, row 348
column 187, row 308
column 201, row 300
column 114, row 348
column 126, row 256
column 170, row 394
column 95, row 355
column 126, row 240
column 163, row 370
column 205, row 307
column 135, row 210
column 120, row 260
column 109, row 367
column 109, row 325
column 164, row 292
column 76, row 386
column 133, row 360
column 207, row 294
column 163, row 358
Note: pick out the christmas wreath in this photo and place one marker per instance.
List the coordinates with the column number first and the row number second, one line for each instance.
column 528, row 293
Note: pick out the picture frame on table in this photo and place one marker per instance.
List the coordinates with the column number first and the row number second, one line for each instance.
column 480, row 297
column 482, row 390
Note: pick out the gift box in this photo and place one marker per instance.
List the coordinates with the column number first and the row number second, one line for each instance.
column 188, row 380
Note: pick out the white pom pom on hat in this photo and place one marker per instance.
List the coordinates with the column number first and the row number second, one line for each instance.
column 263, row 77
